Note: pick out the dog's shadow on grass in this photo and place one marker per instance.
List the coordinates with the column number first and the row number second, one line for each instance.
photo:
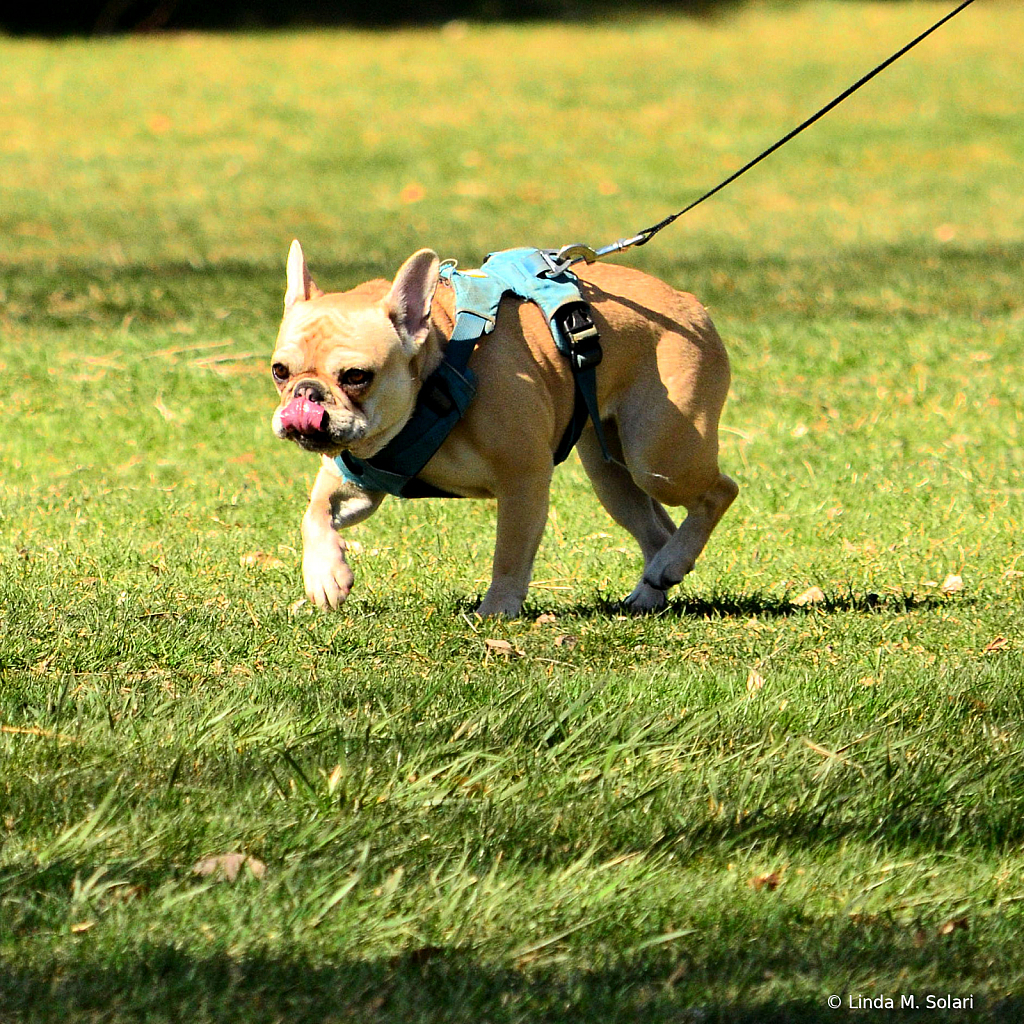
column 763, row 606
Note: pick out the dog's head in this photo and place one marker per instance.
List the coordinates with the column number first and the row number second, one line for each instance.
column 345, row 363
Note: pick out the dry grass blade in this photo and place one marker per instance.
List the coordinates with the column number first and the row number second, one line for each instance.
column 35, row 730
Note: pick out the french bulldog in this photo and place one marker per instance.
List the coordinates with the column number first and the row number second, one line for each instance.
column 348, row 367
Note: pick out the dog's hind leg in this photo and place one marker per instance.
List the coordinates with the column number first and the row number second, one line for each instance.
column 669, row 553
column 676, row 558
column 632, row 508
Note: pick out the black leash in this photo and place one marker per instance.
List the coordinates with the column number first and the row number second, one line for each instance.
column 574, row 253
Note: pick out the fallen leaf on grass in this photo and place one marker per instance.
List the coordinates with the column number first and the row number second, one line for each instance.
column 82, row 926
column 955, row 924
column 502, row 648
column 261, row 559
column 546, row 619
column 227, row 866
column 812, row 595
column 770, row 881
column 566, row 640
column 412, row 193
column 951, row 584
column 999, row 644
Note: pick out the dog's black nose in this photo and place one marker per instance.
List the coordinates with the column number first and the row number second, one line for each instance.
column 311, row 390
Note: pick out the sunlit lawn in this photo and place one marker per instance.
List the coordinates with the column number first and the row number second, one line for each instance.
column 769, row 794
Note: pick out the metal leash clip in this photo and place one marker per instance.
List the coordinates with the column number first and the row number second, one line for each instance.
column 561, row 259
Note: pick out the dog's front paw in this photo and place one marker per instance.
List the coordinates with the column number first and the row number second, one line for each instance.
column 327, row 577
column 645, row 599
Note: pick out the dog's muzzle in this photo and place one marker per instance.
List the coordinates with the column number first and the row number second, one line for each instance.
column 313, row 427
column 304, row 416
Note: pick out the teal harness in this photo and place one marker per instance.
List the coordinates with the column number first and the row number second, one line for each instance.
column 448, row 391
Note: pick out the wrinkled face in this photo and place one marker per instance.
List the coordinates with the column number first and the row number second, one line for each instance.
column 343, row 364
column 343, row 376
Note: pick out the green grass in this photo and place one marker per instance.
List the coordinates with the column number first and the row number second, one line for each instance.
column 727, row 812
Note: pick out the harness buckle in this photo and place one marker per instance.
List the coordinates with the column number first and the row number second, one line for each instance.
column 584, row 341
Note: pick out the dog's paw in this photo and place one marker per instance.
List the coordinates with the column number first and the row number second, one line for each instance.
column 645, row 599
column 328, row 579
column 490, row 607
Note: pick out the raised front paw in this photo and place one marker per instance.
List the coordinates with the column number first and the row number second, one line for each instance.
column 327, row 577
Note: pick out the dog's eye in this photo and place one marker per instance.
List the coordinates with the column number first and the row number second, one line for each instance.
column 356, row 378
column 280, row 372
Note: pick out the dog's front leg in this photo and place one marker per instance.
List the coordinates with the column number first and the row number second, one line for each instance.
column 334, row 503
column 522, row 513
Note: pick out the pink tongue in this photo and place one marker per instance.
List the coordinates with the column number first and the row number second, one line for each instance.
column 304, row 416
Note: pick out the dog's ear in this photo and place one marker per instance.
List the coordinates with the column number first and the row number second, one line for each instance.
column 408, row 301
column 301, row 287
